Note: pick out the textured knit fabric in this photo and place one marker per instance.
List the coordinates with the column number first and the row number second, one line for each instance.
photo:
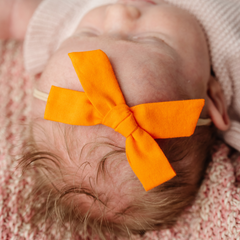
column 55, row 20
column 215, row 214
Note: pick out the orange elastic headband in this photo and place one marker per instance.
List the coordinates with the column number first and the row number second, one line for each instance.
column 103, row 103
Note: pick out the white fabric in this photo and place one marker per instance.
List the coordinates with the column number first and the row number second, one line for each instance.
column 52, row 23
column 220, row 20
column 55, row 20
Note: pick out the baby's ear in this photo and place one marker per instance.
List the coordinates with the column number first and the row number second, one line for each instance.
column 216, row 105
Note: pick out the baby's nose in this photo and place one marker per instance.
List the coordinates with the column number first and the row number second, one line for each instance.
column 120, row 19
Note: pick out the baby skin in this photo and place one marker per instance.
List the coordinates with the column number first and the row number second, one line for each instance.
column 158, row 53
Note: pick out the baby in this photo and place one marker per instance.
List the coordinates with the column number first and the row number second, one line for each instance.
column 160, row 51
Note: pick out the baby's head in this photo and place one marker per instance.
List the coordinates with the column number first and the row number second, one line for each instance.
column 158, row 53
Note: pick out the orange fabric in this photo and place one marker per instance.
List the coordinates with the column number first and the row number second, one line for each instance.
column 103, row 103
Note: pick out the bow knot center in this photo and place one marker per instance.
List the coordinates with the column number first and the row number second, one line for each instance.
column 121, row 119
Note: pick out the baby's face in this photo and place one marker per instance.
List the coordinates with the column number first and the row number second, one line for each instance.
column 158, row 53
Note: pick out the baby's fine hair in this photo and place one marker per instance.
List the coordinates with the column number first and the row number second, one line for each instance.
column 57, row 201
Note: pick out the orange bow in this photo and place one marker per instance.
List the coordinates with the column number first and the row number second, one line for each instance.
column 103, row 103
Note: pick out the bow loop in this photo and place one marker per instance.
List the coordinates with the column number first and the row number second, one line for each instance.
column 121, row 119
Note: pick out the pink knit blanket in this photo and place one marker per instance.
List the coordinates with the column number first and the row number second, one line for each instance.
column 214, row 215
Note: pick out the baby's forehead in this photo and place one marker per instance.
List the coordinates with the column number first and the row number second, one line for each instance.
column 143, row 78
